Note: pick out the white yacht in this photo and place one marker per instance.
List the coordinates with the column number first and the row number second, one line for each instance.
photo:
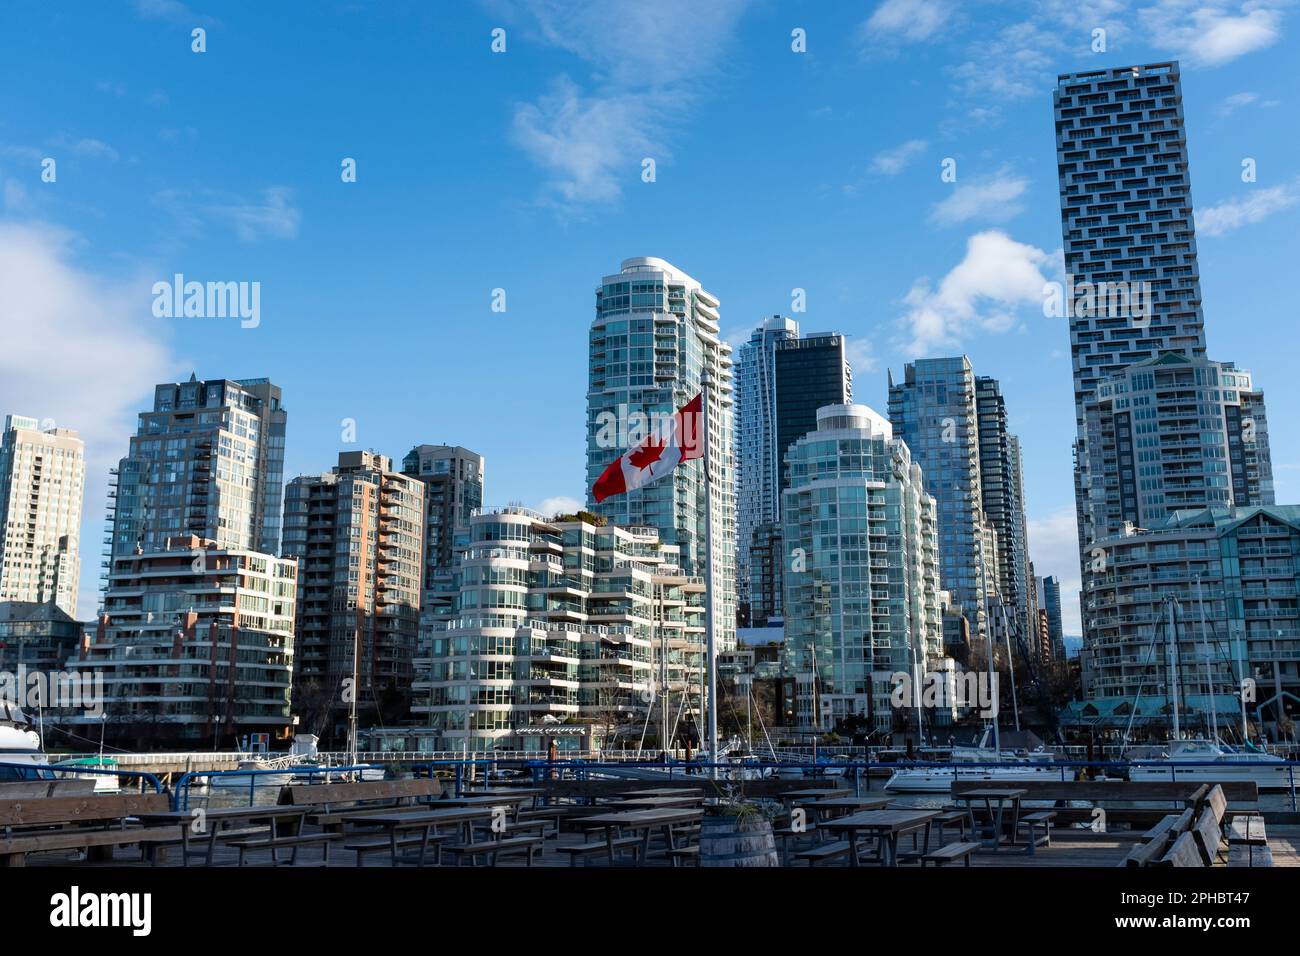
column 965, row 765
column 20, row 745
column 1220, row 762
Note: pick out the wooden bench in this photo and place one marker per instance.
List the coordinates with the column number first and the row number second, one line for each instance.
column 1157, row 840
column 1208, row 835
column 949, row 817
column 1245, row 854
column 291, row 843
column 686, row 854
column 1248, row 830
column 398, row 845
column 1183, row 853
column 824, row 852
column 1032, row 821
column 590, row 848
column 95, row 824
column 950, row 853
column 1143, row 804
column 338, row 800
column 494, row 848
column 31, row 789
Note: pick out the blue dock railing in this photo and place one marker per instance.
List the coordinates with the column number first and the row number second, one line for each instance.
column 29, row 771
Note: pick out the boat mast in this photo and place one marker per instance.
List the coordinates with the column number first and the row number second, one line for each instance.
column 1173, row 668
column 710, row 648
column 1209, row 679
column 988, row 647
column 1011, row 665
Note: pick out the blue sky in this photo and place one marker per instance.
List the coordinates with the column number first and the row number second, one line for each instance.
column 522, row 171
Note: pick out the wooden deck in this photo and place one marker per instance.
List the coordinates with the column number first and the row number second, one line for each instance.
column 1069, row 848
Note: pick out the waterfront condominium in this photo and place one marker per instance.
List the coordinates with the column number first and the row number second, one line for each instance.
column 195, row 645
column 653, row 343
column 781, row 381
column 42, row 480
column 358, row 533
column 1126, row 220
column 862, row 598
column 560, row 622
column 207, row 460
column 1231, row 575
column 934, row 410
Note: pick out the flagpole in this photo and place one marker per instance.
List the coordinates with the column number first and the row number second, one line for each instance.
column 710, row 649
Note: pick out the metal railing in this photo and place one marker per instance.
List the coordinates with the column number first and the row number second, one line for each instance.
column 36, row 772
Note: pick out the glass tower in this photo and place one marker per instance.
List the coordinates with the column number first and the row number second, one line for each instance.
column 653, row 341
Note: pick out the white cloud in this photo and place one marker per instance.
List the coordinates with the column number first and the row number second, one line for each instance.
column 1257, row 205
column 80, row 349
column 560, row 504
column 1234, row 102
column 1213, row 32
column 95, row 149
column 911, row 21
column 860, row 355
column 591, row 144
column 996, row 277
column 992, row 199
column 1054, row 549
column 274, row 217
column 891, row 162
column 650, row 64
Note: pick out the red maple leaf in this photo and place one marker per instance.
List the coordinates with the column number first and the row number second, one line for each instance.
column 647, row 454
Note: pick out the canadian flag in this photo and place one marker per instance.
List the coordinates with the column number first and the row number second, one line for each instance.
column 657, row 455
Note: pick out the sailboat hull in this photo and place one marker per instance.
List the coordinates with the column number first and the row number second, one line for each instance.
column 940, row 779
column 1262, row 773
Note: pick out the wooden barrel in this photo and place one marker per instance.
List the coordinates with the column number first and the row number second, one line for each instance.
column 737, row 841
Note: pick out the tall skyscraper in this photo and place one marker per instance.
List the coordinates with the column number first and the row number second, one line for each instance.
column 862, row 591
column 1127, row 222
column 42, row 482
column 207, row 461
column 653, row 342
column 453, row 492
column 1049, row 599
column 782, row 379
column 935, row 412
column 358, row 533
column 1002, row 497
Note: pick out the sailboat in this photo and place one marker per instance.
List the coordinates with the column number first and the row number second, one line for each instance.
column 21, row 745
column 1216, row 761
column 965, row 762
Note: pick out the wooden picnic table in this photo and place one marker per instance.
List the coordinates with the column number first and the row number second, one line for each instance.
column 812, row 793
column 645, row 821
column 996, row 801
column 835, row 807
column 656, row 803
column 514, row 801
column 212, row 823
column 660, row 792
column 886, row 826
column 426, row 821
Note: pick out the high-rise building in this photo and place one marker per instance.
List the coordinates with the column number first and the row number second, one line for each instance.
column 1134, row 308
column 1186, row 433
column 654, row 342
column 562, row 621
column 453, row 492
column 208, row 461
column 1049, row 599
column 38, row 636
column 358, row 533
column 195, row 644
column 862, row 598
column 934, row 410
column 1002, row 496
column 42, row 482
column 782, row 379
column 1231, row 573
